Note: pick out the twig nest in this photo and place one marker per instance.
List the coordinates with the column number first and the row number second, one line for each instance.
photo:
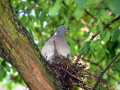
column 70, row 74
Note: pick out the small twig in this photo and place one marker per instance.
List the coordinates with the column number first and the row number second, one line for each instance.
column 90, row 14
column 25, row 10
column 94, row 35
column 107, row 25
column 92, row 63
column 108, row 67
column 80, row 80
column 78, row 58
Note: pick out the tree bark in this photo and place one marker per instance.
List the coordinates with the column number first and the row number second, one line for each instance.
column 17, row 47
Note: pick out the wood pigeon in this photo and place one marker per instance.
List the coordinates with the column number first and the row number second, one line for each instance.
column 56, row 45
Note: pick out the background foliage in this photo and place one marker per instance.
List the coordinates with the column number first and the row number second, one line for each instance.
column 83, row 18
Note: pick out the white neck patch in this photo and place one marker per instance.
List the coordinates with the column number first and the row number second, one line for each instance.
column 55, row 33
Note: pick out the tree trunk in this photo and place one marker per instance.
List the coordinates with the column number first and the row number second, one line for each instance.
column 17, row 47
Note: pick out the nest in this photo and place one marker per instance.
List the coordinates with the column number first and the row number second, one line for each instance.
column 70, row 74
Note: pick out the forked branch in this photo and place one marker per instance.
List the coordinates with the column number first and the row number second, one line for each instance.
column 108, row 67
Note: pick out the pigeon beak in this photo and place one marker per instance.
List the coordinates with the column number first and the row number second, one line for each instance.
column 66, row 31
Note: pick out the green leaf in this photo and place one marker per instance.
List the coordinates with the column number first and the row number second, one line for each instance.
column 92, row 50
column 95, row 44
column 100, row 25
column 86, row 47
column 23, row 20
column 100, row 87
column 115, row 34
column 86, row 34
column 55, row 9
column 81, row 48
column 119, row 38
column 116, row 6
column 81, row 3
column 105, row 36
column 106, row 50
column 66, row 19
column 1, row 73
column 116, row 67
column 42, row 19
column 67, row 2
column 78, row 13
column 117, row 61
column 3, row 63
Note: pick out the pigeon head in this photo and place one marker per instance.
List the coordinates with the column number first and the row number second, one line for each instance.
column 61, row 30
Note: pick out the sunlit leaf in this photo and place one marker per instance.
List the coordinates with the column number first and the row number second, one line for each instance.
column 78, row 13
column 67, row 2
column 55, row 9
column 105, row 36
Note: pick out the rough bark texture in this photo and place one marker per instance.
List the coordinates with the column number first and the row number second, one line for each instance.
column 17, row 47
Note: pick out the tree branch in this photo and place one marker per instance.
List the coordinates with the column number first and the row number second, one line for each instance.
column 27, row 9
column 16, row 42
column 90, row 14
column 102, row 73
column 106, row 26
column 95, row 17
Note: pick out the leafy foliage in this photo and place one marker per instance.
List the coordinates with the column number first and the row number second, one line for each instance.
column 8, row 75
column 83, row 18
